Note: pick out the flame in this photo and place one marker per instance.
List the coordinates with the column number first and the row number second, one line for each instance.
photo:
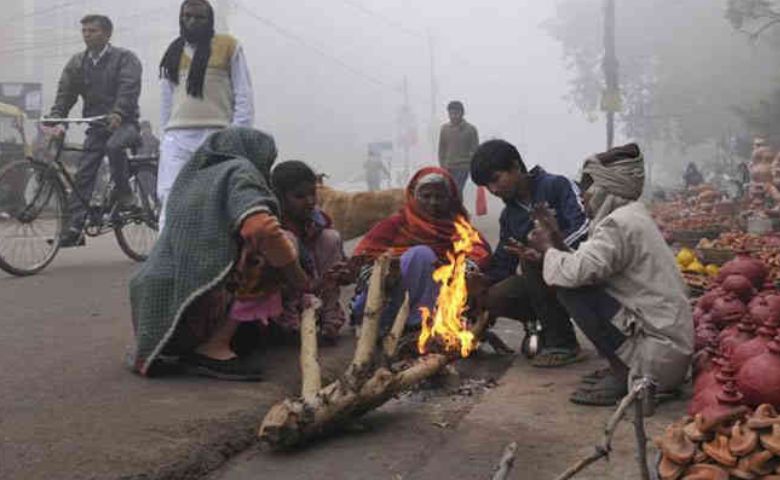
column 447, row 323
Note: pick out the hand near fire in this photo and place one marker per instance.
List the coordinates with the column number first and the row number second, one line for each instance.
column 544, row 219
column 345, row 272
column 539, row 241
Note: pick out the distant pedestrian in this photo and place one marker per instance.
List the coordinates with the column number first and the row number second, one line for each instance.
column 458, row 140
column 205, row 87
column 375, row 170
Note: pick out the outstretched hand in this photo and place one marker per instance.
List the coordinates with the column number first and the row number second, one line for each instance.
column 523, row 252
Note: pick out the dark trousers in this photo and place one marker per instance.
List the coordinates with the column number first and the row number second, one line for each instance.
column 526, row 297
column 461, row 176
column 98, row 143
column 593, row 309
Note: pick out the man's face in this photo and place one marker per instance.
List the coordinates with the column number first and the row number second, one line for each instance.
column 456, row 116
column 195, row 17
column 509, row 184
column 299, row 202
column 94, row 36
column 434, row 200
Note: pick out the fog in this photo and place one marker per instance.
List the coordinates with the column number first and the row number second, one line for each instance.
column 328, row 74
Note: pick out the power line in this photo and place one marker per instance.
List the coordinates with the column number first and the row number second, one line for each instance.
column 385, row 19
column 314, row 48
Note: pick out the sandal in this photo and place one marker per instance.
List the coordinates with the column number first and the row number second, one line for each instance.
column 596, row 375
column 234, row 369
column 607, row 392
column 557, row 357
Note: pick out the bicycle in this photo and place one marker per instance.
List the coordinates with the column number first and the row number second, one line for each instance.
column 33, row 207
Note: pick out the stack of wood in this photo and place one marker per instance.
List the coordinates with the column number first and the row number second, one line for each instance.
column 374, row 376
column 736, row 444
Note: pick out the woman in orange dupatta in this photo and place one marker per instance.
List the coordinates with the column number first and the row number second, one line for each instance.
column 420, row 236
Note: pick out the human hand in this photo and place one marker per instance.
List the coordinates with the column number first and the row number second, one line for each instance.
column 114, row 121
column 523, row 252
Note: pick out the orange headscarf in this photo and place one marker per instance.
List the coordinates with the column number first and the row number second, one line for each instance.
column 412, row 226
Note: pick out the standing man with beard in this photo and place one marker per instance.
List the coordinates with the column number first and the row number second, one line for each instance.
column 205, row 87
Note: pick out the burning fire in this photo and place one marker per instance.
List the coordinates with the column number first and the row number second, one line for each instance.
column 447, row 323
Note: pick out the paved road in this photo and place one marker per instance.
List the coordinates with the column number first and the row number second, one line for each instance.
column 70, row 409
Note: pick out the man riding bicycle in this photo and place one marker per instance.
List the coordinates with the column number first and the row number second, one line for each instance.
column 108, row 79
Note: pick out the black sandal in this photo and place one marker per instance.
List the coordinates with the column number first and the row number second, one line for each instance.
column 234, row 369
column 607, row 392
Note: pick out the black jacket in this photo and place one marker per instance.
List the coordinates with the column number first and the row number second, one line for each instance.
column 111, row 86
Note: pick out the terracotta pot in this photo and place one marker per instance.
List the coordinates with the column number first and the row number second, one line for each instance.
column 744, row 331
column 773, row 300
column 705, row 333
column 705, row 301
column 760, row 309
column 726, row 310
column 708, row 396
column 728, row 398
column 755, row 346
column 744, row 264
column 740, row 286
column 759, row 377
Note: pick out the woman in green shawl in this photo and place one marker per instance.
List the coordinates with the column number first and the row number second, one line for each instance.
column 222, row 229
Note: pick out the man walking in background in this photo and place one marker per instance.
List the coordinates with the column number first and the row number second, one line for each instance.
column 458, row 140
column 205, row 87
column 108, row 79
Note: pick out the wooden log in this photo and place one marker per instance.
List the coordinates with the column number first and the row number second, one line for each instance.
column 392, row 338
column 369, row 332
column 506, row 462
column 311, row 378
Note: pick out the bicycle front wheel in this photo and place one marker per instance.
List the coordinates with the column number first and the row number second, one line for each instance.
column 32, row 216
column 137, row 233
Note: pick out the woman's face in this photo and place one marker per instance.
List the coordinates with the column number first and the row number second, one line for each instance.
column 434, row 200
column 299, row 202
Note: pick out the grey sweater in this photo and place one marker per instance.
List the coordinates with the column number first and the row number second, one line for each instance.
column 113, row 85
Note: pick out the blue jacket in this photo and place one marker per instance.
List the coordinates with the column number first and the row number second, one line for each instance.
column 562, row 196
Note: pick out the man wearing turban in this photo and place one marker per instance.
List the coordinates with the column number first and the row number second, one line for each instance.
column 622, row 286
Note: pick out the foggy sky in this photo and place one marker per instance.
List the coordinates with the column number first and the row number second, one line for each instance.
column 493, row 55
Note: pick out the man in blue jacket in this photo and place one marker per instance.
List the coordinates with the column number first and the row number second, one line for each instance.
column 523, row 295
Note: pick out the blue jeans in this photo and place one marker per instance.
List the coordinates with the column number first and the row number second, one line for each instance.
column 417, row 266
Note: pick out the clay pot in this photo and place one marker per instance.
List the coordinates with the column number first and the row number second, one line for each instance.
column 730, row 339
column 705, row 471
column 759, row 377
column 759, row 462
column 691, row 430
column 773, row 299
column 668, row 470
column 718, row 450
column 726, row 310
column 771, row 440
column 739, row 285
column 743, row 264
column 742, row 470
column 755, row 346
column 705, row 334
column 764, row 416
column 726, row 400
column 743, row 440
column 705, row 301
column 708, row 396
column 760, row 310
column 675, row 446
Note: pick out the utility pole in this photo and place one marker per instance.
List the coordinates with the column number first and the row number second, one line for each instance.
column 610, row 101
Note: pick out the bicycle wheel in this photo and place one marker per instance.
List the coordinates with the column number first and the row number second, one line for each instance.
column 137, row 233
column 32, row 216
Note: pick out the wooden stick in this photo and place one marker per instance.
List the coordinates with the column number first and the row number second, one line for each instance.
column 369, row 332
column 392, row 338
column 641, row 437
column 506, row 462
column 311, row 378
column 603, row 450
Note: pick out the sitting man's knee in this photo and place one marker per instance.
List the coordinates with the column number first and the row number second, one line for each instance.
column 420, row 253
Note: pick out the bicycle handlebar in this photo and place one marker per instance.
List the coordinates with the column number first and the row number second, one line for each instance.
column 72, row 120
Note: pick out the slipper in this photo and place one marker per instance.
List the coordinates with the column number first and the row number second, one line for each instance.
column 233, row 369
column 557, row 357
column 596, row 375
column 606, row 393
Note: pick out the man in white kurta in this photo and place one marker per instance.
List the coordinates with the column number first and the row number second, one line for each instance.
column 622, row 286
column 225, row 94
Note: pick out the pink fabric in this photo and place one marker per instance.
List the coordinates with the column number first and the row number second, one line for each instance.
column 262, row 310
